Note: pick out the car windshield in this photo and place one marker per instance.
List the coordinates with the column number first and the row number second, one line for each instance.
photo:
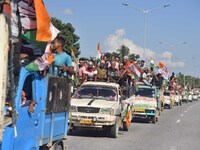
column 146, row 92
column 166, row 94
column 101, row 92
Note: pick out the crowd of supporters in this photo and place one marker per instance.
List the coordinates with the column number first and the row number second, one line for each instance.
column 117, row 70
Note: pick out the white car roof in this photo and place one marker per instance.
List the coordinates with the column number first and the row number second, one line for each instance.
column 101, row 83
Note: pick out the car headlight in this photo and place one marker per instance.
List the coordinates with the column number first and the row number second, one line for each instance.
column 73, row 109
column 106, row 111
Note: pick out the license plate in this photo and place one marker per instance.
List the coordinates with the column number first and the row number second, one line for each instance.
column 85, row 121
column 139, row 109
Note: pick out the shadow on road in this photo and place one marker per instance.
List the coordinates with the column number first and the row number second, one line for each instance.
column 144, row 121
column 92, row 133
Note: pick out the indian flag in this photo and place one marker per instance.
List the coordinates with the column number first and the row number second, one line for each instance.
column 44, row 34
column 136, row 70
column 163, row 70
column 153, row 64
column 99, row 52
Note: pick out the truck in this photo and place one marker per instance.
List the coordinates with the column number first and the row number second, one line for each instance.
column 35, row 116
column 101, row 106
column 146, row 103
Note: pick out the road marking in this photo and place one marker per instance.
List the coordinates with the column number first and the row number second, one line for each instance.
column 185, row 111
column 188, row 109
column 181, row 115
column 178, row 121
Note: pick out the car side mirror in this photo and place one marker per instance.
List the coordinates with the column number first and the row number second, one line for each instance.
column 122, row 98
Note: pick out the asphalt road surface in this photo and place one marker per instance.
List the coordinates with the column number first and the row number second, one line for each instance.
column 177, row 129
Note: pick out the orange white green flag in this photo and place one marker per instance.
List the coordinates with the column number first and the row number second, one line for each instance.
column 45, row 33
column 99, row 52
column 153, row 64
column 163, row 70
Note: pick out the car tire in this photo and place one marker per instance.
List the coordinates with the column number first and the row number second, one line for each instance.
column 114, row 129
column 70, row 131
column 154, row 120
column 125, row 125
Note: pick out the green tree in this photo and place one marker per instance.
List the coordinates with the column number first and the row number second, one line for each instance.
column 192, row 82
column 109, row 55
column 67, row 32
column 115, row 54
column 123, row 51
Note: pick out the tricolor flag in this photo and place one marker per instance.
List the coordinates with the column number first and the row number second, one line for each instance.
column 38, row 30
column 153, row 64
column 99, row 52
column 136, row 70
column 163, row 70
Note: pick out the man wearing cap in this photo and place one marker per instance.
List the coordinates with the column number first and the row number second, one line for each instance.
column 127, row 64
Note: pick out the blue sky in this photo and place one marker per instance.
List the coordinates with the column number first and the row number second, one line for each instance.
column 112, row 24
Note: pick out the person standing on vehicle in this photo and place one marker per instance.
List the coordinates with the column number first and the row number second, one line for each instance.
column 102, row 71
column 81, row 72
column 62, row 61
column 112, row 73
column 91, row 72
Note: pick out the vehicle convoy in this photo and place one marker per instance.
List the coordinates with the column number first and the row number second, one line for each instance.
column 101, row 106
column 34, row 115
column 167, row 100
column 146, row 103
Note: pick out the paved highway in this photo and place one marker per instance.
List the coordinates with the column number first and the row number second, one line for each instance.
column 177, row 129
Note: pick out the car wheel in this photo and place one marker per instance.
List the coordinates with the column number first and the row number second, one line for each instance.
column 70, row 131
column 114, row 129
column 58, row 145
column 154, row 120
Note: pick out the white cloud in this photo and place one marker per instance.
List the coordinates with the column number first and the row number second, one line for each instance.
column 67, row 12
column 116, row 40
column 167, row 55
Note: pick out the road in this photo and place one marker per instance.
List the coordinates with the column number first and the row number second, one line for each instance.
column 177, row 129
